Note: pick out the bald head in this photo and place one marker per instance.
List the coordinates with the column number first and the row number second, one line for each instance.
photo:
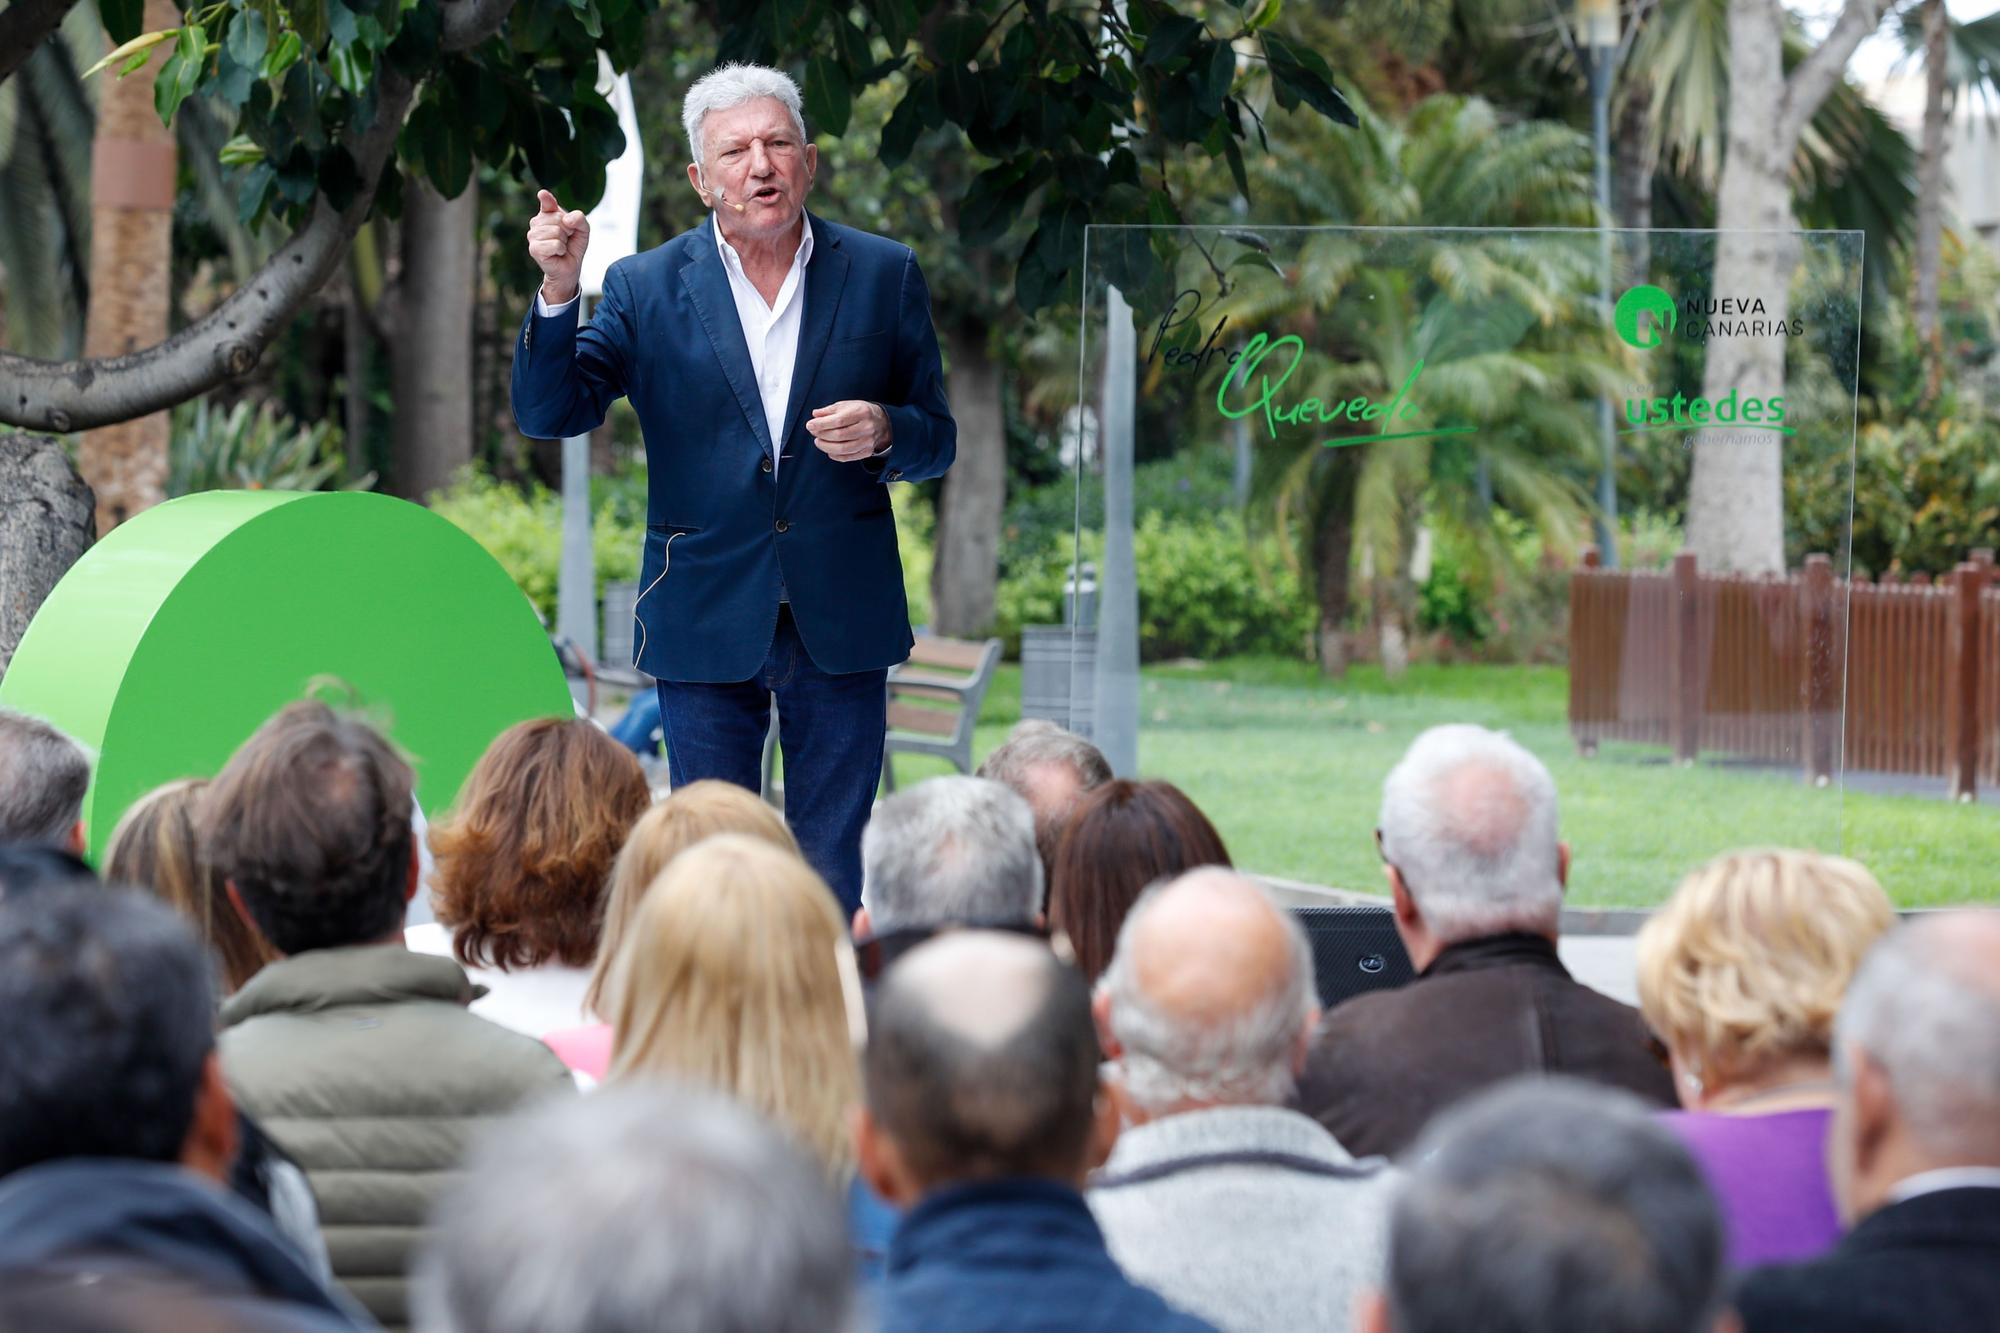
column 1925, row 1010
column 1209, row 997
column 981, row 1061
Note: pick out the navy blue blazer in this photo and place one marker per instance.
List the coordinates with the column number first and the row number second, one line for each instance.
column 723, row 527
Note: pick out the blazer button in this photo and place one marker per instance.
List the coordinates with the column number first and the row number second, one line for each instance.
column 784, row 525
column 765, row 466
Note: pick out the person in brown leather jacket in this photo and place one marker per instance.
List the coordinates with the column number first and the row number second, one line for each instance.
column 1469, row 846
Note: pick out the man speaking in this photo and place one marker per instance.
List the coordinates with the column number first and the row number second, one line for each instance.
column 784, row 370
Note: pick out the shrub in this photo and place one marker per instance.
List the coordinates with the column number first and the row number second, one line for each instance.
column 523, row 531
column 1201, row 594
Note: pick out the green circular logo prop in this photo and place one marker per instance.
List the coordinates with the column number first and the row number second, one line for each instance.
column 180, row 632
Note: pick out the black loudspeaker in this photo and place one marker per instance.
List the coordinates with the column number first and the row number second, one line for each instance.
column 1355, row 950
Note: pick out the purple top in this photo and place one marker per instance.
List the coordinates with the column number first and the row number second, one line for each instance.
column 1769, row 1176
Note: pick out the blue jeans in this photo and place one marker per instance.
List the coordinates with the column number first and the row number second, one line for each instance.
column 830, row 731
column 636, row 730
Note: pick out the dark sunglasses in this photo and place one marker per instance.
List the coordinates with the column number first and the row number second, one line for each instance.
column 874, row 954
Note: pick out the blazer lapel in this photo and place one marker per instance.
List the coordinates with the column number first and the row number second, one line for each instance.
column 708, row 286
column 826, row 275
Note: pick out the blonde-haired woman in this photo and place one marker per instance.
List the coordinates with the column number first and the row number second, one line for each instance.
column 154, row 848
column 736, row 973
column 688, row 815
column 1741, row 975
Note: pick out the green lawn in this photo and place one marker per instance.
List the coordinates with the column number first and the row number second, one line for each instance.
column 1290, row 769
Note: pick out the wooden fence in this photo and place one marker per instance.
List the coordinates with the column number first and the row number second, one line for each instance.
column 1753, row 667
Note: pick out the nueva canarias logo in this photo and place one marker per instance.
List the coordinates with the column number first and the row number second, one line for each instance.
column 1643, row 317
column 1642, row 300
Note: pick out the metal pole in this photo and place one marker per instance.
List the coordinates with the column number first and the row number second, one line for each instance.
column 1600, row 134
column 1116, row 684
column 576, row 575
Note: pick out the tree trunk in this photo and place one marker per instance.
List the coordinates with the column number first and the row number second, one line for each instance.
column 354, row 358
column 1930, row 189
column 965, row 572
column 132, row 165
column 46, row 523
column 1736, row 510
column 1333, row 558
column 1633, row 163
column 433, row 371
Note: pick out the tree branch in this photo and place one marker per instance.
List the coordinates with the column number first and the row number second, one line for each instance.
column 1814, row 77
column 76, row 395
column 24, row 24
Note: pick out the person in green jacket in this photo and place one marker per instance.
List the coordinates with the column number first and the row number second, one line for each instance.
column 358, row 1057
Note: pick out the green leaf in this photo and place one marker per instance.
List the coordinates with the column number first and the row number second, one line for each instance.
column 898, row 21
column 282, row 56
column 1218, row 78
column 233, row 77
column 1298, row 74
column 1034, row 285
column 240, row 152
column 123, row 19
column 340, row 23
column 959, row 37
column 351, row 67
column 181, row 72
column 1266, row 14
column 1171, row 41
column 853, row 45
column 1234, row 155
column 906, row 122
column 828, row 99
column 248, row 39
column 309, row 21
column 1058, row 238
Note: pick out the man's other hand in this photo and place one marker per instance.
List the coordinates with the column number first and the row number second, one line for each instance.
column 556, row 242
column 849, row 430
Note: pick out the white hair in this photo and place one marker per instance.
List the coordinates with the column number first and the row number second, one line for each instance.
column 601, row 1214
column 1469, row 819
column 1242, row 1058
column 732, row 86
column 951, row 851
column 1928, row 1013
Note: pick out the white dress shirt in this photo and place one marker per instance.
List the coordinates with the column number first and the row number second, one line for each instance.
column 770, row 330
column 1945, row 1178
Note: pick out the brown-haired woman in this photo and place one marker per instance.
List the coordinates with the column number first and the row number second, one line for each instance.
column 1121, row 837
column 522, row 862
column 154, row 847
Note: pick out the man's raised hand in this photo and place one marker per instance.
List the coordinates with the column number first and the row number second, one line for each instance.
column 556, row 242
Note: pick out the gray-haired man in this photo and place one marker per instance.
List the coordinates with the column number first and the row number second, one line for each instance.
column 43, row 778
column 1547, row 1206
column 949, row 851
column 1469, row 846
column 784, row 370
column 1914, row 1146
column 1217, row 1196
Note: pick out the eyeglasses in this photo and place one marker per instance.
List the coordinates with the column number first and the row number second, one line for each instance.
column 874, row 954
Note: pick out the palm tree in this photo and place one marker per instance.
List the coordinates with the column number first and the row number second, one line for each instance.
column 1505, row 326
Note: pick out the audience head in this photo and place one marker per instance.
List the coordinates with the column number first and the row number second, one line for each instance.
column 688, row 814
column 1123, row 836
column 981, row 1064
column 1050, row 768
column 1551, row 1204
column 309, row 822
column 523, row 860
column 43, row 778
column 1742, row 972
column 1917, row 1059
column 731, row 977
column 154, row 847
column 1209, row 1000
column 950, row 850
column 639, row 1209
column 107, row 1045
column 1468, row 834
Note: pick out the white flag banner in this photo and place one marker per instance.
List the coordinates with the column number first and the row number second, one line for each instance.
column 614, row 223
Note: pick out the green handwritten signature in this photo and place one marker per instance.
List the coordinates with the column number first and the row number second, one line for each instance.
column 1309, row 410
